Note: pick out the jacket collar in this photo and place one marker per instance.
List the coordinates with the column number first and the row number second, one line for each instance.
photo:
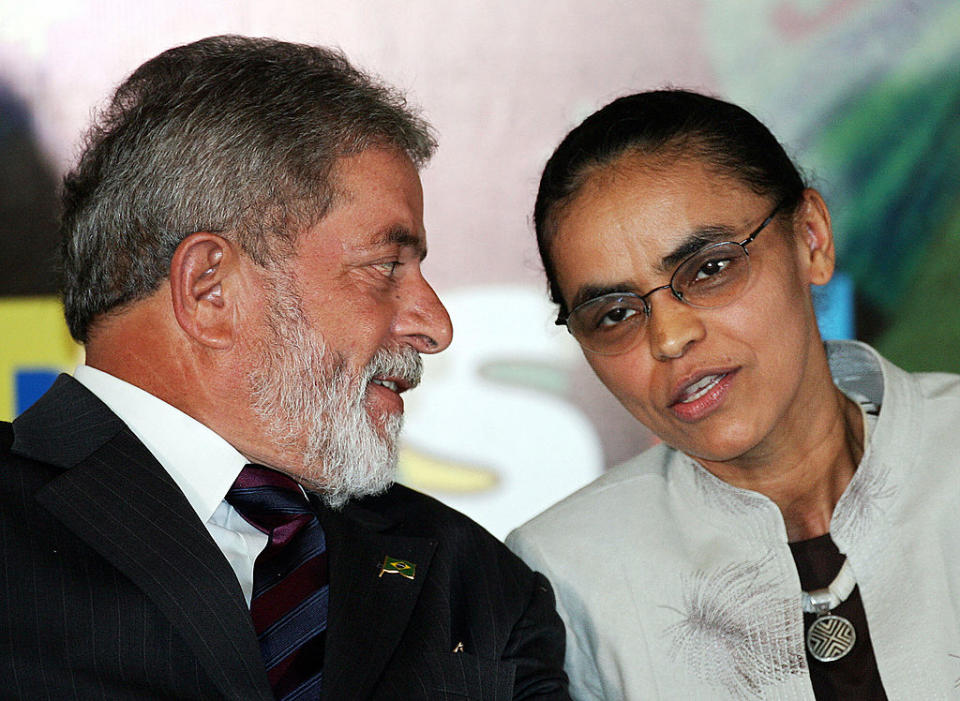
column 65, row 425
column 864, row 508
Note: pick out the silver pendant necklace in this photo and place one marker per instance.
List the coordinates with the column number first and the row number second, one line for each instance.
column 830, row 636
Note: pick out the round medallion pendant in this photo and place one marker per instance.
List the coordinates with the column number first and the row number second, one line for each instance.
column 830, row 638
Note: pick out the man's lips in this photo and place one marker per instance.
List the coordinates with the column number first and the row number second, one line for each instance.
column 394, row 384
column 385, row 393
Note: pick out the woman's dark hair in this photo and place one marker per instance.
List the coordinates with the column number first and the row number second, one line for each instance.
column 662, row 123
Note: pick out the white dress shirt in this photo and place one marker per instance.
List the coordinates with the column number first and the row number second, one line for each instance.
column 203, row 464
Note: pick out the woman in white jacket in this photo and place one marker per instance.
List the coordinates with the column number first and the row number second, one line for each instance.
column 794, row 535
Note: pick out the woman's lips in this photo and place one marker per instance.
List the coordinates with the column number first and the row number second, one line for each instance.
column 699, row 398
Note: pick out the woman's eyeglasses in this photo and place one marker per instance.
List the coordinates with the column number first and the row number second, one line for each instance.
column 712, row 277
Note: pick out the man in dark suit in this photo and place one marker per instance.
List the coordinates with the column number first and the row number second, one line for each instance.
column 204, row 510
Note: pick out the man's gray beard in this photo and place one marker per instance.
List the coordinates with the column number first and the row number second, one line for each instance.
column 309, row 402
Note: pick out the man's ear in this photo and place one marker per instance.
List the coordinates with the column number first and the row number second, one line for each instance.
column 815, row 238
column 203, row 303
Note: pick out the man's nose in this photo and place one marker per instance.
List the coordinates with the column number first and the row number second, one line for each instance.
column 424, row 322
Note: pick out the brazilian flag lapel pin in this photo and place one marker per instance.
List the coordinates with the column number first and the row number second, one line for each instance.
column 393, row 565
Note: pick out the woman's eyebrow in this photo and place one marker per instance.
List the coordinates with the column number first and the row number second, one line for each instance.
column 588, row 292
column 703, row 236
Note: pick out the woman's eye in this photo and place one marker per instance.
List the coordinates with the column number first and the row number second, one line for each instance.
column 615, row 316
column 711, row 268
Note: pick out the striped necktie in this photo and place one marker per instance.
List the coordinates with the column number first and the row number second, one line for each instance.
column 290, row 581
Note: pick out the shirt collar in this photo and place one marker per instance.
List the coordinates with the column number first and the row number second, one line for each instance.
column 203, row 464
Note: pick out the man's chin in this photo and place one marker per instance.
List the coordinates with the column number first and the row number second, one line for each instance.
column 382, row 418
column 336, row 495
column 341, row 476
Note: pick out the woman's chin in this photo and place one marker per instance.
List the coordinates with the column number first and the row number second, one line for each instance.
column 729, row 447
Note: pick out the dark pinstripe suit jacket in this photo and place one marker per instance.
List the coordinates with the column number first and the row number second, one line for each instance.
column 111, row 587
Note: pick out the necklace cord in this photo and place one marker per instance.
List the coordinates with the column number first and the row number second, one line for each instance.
column 823, row 600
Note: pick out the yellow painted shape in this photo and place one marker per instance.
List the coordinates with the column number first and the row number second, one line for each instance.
column 33, row 335
column 430, row 474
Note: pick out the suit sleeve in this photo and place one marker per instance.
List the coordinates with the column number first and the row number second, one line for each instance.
column 536, row 647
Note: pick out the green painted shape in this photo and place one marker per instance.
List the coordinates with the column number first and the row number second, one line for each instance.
column 893, row 155
column 925, row 333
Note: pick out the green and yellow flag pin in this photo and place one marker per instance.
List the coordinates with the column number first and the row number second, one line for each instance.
column 392, row 565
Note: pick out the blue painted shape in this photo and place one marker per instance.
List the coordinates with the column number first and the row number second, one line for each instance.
column 834, row 305
column 29, row 384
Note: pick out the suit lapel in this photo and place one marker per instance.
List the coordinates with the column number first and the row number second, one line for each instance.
column 368, row 612
column 115, row 496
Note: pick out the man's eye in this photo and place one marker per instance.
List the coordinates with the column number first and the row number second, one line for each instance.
column 388, row 268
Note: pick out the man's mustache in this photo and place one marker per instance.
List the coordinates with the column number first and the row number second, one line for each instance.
column 403, row 363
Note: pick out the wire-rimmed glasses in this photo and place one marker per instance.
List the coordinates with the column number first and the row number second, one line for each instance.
column 712, row 277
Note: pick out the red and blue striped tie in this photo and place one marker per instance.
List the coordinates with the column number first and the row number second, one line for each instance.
column 290, row 581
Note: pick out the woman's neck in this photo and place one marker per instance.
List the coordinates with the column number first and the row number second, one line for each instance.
column 808, row 470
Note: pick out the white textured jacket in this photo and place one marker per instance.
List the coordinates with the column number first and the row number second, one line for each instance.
column 676, row 585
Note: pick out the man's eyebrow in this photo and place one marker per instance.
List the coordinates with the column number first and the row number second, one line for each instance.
column 588, row 292
column 401, row 236
column 703, row 236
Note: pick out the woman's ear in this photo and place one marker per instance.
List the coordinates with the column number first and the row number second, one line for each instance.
column 202, row 297
column 815, row 238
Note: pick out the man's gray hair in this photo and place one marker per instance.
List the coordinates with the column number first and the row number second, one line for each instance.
column 228, row 134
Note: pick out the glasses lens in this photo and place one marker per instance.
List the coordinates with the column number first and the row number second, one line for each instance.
column 714, row 276
column 609, row 324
